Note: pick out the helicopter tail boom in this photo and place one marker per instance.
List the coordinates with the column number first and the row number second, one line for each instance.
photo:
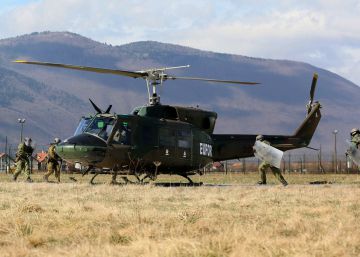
column 227, row 147
column 307, row 128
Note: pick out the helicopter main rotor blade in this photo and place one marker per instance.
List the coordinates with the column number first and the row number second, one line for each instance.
column 214, row 80
column 91, row 69
column 108, row 109
column 97, row 109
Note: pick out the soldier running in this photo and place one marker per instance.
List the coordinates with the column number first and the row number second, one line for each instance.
column 264, row 166
column 23, row 155
column 53, row 161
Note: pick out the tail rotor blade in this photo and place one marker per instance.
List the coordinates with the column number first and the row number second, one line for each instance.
column 313, row 87
column 97, row 109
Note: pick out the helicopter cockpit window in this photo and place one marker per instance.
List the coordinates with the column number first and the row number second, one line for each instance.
column 184, row 139
column 101, row 126
column 122, row 134
column 84, row 122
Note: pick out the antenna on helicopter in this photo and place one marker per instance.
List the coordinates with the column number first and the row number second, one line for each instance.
column 153, row 77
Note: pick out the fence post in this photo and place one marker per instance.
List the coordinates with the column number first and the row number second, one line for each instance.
column 284, row 166
column 9, row 160
column 289, row 163
column 304, row 165
column 243, row 165
column 340, row 166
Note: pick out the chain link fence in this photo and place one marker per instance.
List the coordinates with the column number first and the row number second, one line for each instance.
column 295, row 163
column 316, row 162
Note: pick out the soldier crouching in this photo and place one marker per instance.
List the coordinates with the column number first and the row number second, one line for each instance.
column 264, row 166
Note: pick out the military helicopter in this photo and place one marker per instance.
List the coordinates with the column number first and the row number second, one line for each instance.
column 164, row 139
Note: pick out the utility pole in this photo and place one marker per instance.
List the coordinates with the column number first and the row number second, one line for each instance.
column 335, row 151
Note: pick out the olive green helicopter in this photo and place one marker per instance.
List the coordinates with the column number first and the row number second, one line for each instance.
column 164, row 139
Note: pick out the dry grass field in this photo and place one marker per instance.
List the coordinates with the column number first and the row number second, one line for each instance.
column 77, row 219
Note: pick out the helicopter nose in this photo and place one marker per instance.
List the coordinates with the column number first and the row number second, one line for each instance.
column 83, row 148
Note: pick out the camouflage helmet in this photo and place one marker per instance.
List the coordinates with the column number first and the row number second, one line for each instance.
column 354, row 131
column 57, row 140
column 260, row 137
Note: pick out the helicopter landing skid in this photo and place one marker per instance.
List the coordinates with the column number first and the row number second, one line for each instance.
column 92, row 179
column 113, row 178
column 187, row 177
column 128, row 181
column 140, row 181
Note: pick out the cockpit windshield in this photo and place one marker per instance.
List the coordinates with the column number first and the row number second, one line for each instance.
column 101, row 126
column 84, row 122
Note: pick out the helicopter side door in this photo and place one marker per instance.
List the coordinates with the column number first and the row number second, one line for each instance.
column 184, row 144
column 167, row 143
column 175, row 145
column 120, row 142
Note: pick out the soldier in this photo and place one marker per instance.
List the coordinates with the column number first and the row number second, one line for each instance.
column 53, row 161
column 264, row 165
column 355, row 137
column 23, row 155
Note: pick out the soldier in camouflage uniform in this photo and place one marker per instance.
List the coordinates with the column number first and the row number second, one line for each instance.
column 23, row 156
column 53, row 162
column 355, row 137
column 264, row 166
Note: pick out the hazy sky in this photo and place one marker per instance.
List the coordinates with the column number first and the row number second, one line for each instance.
column 325, row 33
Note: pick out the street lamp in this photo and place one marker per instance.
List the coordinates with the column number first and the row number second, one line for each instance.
column 335, row 153
column 21, row 121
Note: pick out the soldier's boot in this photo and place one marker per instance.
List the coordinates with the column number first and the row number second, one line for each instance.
column 16, row 174
column 57, row 175
column 29, row 180
column 283, row 181
column 46, row 178
column 262, row 171
column 279, row 176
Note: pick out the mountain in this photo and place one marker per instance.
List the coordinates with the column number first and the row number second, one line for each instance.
column 52, row 100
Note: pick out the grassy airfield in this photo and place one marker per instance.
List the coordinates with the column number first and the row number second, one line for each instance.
column 77, row 219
